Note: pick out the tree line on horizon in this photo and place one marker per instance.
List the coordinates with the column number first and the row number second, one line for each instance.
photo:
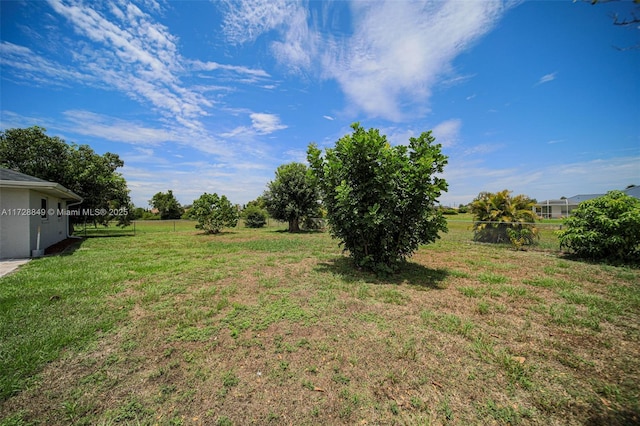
column 380, row 201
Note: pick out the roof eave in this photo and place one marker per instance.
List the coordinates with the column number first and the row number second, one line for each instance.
column 51, row 188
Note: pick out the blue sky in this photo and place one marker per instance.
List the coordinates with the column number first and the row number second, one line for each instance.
column 541, row 97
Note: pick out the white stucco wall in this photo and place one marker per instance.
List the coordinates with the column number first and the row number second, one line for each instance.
column 52, row 227
column 19, row 230
column 14, row 228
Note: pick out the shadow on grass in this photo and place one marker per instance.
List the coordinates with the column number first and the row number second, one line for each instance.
column 628, row 263
column 215, row 234
column 410, row 273
column 612, row 417
column 65, row 247
column 302, row 231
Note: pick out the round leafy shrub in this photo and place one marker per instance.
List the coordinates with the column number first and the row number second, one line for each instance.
column 606, row 227
column 380, row 199
column 254, row 217
column 213, row 213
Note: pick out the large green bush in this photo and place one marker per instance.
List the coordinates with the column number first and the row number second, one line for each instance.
column 380, row 199
column 213, row 213
column 606, row 227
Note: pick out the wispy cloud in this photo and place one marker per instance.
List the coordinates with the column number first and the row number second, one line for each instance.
column 246, row 20
column 467, row 177
column 114, row 129
column 214, row 66
column 481, row 149
column 447, row 133
column 400, row 50
column 397, row 52
column 547, row 78
column 134, row 54
column 125, row 49
column 27, row 65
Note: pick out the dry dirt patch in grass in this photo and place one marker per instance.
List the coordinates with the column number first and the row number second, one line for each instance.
column 468, row 334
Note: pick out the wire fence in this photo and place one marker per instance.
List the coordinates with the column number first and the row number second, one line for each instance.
column 138, row 227
column 460, row 230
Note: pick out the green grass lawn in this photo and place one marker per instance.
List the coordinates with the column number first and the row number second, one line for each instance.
column 264, row 327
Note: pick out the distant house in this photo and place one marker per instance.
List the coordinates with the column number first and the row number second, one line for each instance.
column 31, row 209
column 552, row 209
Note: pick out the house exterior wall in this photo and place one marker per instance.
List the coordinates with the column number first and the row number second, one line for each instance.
column 52, row 227
column 14, row 228
column 554, row 210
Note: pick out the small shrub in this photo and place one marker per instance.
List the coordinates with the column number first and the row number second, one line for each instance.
column 448, row 211
column 607, row 227
column 254, row 217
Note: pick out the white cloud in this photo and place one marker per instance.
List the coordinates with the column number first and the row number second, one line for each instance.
column 29, row 66
column 124, row 49
column 328, row 117
column 447, row 133
column 396, row 53
column 297, row 155
column 482, row 149
column 467, row 178
column 114, row 129
column 547, row 78
column 246, row 20
column 299, row 44
column 266, row 123
column 135, row 55
column 213, row 66
column 240, row 182
column 400, row 50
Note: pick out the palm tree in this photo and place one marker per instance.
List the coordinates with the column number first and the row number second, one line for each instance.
column 501, row 218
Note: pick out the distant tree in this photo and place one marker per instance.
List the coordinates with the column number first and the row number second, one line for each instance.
column 213, row 213
column 462, row 208
column 446, row 210
column 254, row 216
column 76, row 167
column 293, row 195
column 606, row 227
column 138, row 212
column 501, row 218
column 380, row 199
column 259, row 202
column 167, row 205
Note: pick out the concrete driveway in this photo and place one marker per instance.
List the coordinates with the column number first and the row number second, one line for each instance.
column 9, row 265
